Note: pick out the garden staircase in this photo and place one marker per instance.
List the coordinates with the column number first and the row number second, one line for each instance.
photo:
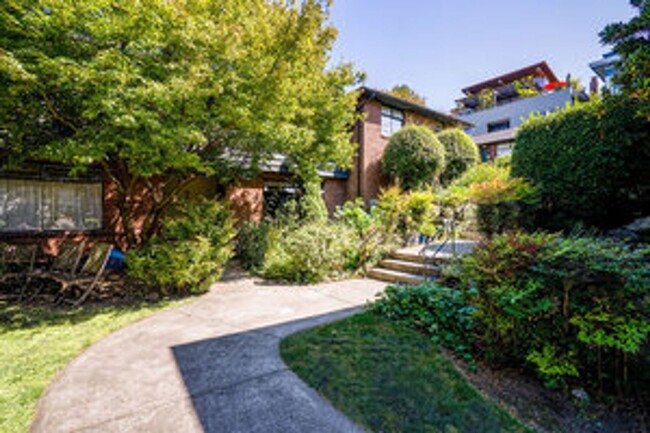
column 409, row 266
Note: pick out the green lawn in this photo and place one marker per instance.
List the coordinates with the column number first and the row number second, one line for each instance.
column 390, row 379
column 35, row 343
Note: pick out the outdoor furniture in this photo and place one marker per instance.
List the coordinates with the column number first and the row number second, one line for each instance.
column 18, row 261
column 92, row 271
column 67, row 261
column 18, row 256
column 63, row 267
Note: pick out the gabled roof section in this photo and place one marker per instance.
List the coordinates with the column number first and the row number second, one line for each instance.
column 536, row 69
column 402, row 104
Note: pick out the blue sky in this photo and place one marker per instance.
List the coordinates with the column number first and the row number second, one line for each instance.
column 439, row 46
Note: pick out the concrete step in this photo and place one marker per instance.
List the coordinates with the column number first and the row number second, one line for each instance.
column 392, row 276
column 412, row 255
column 410, row 267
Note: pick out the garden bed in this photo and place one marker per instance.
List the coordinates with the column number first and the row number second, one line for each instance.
column 551, row 410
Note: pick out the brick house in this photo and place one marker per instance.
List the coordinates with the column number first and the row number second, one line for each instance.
column 385, row 114
column 42, row 202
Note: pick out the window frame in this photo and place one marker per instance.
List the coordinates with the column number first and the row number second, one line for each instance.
column 506, row 149
column 491, row 125
column 393, row 115
column 56, row 176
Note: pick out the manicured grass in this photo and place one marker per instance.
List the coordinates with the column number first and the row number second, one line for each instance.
column 35, row 343
column 390, row 379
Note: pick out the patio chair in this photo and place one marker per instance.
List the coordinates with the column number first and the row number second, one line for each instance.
column 64, row 265
column 87, row 278
column 92, row 271
column 22, row 255
column 20, row 260
column 67, row 261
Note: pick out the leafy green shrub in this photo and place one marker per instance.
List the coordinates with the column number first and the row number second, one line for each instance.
column 312, row 204
column 310, row 253
column 499, row 203
column 190, row 253
column 574, row 308
column 482, row 173
column 460, row 153
column 390, row 207
column 503, row 161
column 440, row 312
column 589, row 162
column 419, row 212
column 374, row 240
column 414, row 156
column 252, row 243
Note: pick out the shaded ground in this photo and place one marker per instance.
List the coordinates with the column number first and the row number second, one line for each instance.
column 552, row 410
column 212, row 365
column 389, row 378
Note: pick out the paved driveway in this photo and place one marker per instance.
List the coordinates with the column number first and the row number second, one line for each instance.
column 212, row 365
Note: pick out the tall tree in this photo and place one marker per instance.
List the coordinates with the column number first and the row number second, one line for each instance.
column 631, row 41
column 172, row 90
column 405, row 92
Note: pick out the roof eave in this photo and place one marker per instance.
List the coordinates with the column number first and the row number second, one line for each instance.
column 403, row 104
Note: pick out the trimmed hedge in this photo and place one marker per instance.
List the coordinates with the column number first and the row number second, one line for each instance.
column 460, row 152
column 415, row 156
column 590, row 163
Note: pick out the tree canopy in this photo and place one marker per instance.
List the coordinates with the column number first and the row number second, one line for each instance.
column 173, row 89
column 631, row 40
column 405, row 92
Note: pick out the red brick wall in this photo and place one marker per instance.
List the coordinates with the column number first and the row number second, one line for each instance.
column 334, row 194
column 371, row 152
column 247, row 200
column 112, row 229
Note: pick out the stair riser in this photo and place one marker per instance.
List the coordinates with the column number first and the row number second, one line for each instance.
column 397, row 279
column 417, row 259
column 413, row 268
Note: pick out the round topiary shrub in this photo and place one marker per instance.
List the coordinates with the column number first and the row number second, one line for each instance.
column 414, row 156
column 460, row 153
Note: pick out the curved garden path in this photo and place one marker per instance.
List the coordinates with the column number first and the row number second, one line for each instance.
column 212, row 365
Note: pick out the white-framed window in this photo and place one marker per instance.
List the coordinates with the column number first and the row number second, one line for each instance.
column 37, row 205
column 392, row 121
column 504, row 150
column 501, row 125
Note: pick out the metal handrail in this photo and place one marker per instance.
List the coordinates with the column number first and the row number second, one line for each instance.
column 448, row 233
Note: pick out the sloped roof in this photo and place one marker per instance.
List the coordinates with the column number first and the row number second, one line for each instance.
column 509, row 77
column 497, row 137
column 402, row 104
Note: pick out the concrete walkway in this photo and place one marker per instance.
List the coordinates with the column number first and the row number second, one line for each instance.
column 212, row 365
